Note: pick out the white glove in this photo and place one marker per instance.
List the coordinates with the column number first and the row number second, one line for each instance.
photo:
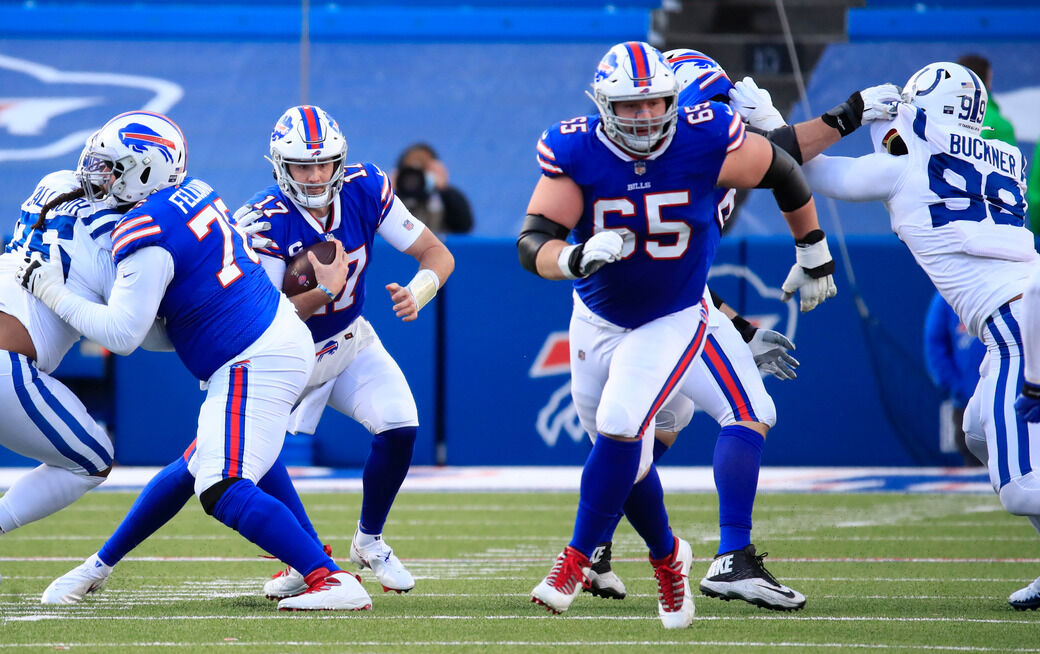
column 812, row 276
column 586, row 258
column 247, row 219
column 880, row 102
column 44, row 277
column 755, row 105
column 770, row 351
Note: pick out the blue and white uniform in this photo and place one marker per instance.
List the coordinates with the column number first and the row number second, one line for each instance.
column 639, row 323
column 353, row 372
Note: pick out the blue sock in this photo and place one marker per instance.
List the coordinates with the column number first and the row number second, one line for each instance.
column 659, row 450
column 267, row 522
column 738, row 457
column 645, row 510
column 606, row 481
column 278, row 485
column 160, row 500
column 384, row 473
column 608, row 536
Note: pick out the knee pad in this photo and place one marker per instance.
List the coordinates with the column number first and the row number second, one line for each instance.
column 1021, row 496
column 676, row 414
column 612, row 418
column 394, row 415
column 209, row 497
column 976, row 445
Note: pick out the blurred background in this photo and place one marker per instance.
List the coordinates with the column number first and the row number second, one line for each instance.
column 476, row 83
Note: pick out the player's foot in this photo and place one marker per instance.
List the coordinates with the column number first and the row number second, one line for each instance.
column 740, row 575
column 566, row 579
column 87, row 577
column 288, row 582
column 329, row 591
column 387, row 568
column 674, row 599
column 603, row 581
column 1028, row 598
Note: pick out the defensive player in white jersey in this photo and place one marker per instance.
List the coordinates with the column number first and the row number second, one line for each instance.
column 957, row 202
column 635, row 187
column 178, row 258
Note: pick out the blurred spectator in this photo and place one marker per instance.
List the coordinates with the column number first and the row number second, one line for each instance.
column 421, row 181
column 999, row 127
column 953, row 357
column 1033, row 192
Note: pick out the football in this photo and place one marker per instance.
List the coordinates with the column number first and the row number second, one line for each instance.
column 299, row 274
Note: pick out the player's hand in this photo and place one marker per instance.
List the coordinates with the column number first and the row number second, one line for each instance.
column 880, row 102
column 1027, row 406
column 812, row 275
column 44, row 277
column 586, row 258
column 332, row 276
column 770, row 350
column 247, row 218
column 755, row 105
column 405, row 306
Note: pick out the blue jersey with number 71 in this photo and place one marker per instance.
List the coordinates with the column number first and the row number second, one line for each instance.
column 220, row 299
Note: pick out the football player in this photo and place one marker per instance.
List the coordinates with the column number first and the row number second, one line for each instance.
column 958, row 203
column 634, row 187
column 179, row 258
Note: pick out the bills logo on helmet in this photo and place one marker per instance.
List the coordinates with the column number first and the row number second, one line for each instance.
column 606, row 66
column 282, row 128
column 140, row 137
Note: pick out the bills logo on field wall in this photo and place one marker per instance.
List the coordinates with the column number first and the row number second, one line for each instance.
column 46, row 112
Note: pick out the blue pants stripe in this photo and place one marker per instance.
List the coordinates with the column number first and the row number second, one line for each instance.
column 70, row 421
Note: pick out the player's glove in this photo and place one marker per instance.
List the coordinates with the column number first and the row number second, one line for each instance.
column 247, row 219
column 874, row 103
column 770, row 350
column 44, row 277
column 1027, row 406
column 755, row 105
column 586, row 258
column 812, row 275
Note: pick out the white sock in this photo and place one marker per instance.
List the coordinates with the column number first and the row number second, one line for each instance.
column 364, row 540
column 42, row 491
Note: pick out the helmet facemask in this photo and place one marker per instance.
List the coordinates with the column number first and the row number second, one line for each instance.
column 311, row 196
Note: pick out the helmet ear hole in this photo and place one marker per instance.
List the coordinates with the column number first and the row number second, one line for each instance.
column 145, row 174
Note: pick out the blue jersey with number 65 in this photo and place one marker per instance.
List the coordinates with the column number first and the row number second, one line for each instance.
column 664, row 206
column 220, row 299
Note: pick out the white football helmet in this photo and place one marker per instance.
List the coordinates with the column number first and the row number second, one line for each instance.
column 700, row 77
column 134, row 155
column 948, row 93
column 307, row 135
column 635, row 71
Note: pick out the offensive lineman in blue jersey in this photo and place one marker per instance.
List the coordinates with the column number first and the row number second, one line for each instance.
column 179, row 258
column 320, row 198
column 635, row 188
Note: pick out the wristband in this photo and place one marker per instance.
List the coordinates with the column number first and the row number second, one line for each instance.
column 746, row 329
column 325, row 289
column 423, row 287
column 1032, row 391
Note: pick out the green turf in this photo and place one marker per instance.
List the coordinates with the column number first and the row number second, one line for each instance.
column 860, row 559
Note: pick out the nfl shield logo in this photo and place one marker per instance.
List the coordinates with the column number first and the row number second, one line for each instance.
column 640, row 167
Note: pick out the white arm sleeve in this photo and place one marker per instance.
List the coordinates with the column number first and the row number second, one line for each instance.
column 275, row 269
column 156, row 339
column 400, row 228
column 122, row 324
column 870, row 177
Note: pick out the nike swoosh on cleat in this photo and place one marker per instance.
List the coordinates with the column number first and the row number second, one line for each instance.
column 789, row 594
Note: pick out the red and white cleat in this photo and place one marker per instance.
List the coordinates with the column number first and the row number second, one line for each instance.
column 329, row 591
column 568, row 576
column 674, row 600
column 288, row 582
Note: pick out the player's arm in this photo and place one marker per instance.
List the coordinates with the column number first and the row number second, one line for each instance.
column 1028, row 403
column 553, row 211
column 767, row 346
column 861, row 179
column 436, row 263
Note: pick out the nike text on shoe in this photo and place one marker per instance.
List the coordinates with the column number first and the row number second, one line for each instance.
column 740, row 575
column 288, row 582
column 566, row 579
column 603, row 581
column 1028, row 598
column 329, row 591
column 387, row 568
column 88, row 577
column 674, row 598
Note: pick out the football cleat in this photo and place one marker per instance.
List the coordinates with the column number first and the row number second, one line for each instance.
column 1028, row 598
column 387, row 568
column 603, row 582
column 674, row 598
column 329, row 591
column 87, row 577
column 566, row 579
column 740, row 575
column 288, row 582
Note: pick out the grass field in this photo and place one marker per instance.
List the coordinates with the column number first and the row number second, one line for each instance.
column 881, row 571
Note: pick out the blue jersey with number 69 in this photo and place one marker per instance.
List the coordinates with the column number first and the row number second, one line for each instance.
column 357, row 212
column 664, row 206
column 220, row 299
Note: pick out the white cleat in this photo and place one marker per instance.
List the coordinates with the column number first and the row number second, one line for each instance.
column 674, row 599
column 603, row 581
column 336, row 591
column 563, row 583
column 1028, row 598
column 387, row 568
column 88, row 577
column 288, row 582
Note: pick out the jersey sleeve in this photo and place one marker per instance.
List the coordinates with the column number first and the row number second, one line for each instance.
column 134, row 231
column 557, row 143
column 276, row 211
column 723, row 125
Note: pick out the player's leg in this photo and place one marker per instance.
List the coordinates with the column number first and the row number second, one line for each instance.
column 1028, row 598
column 44, row 420
column 373, row 391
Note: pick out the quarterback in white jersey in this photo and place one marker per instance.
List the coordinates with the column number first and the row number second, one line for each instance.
column 957, row 202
